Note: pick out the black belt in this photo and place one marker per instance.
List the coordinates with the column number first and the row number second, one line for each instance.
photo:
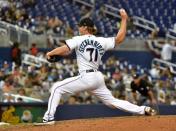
column 91, row 70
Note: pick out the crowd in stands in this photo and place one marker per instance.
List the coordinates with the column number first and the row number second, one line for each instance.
column 31, row 81
column 163, row 49
column 17, row 12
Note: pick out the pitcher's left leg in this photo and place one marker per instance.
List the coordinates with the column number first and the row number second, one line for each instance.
column 70, row 85
column 105, row 95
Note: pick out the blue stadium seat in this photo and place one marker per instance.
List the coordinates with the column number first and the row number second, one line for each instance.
column 152, row 10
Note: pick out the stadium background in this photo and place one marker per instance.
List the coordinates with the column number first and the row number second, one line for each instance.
column 33, row 27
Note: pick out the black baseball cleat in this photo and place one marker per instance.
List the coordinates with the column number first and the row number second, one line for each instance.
column 149, row 111
column 45, row 122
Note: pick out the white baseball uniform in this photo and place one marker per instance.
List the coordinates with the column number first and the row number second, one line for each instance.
column 89, row 51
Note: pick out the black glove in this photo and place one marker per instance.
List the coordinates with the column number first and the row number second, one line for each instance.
column 54, row 58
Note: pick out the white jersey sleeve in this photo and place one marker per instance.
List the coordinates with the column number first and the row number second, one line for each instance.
column 72, row 43
column 109, row 43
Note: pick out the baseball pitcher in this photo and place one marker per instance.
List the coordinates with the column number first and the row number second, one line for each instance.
column 89, row 51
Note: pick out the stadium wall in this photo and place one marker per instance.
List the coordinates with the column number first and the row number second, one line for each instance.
column 142, row 58
column 68, row 112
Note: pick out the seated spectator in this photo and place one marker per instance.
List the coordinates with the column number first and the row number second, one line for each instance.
column 161, row 96
column 40, row 25
column 155, row 71
column 8, row 98
column 154, row 33
column 6, row 68
column 83, row 11
column 34, row 50
column 119, row 85
column 69, row 32
column 54, row 23
column 72, row 100
column 21, row 92
column 8, row 86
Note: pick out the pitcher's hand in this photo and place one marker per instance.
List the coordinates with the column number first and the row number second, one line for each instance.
column 123, row 14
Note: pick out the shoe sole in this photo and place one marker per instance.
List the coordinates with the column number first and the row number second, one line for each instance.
column 44, row 124
column 150, row 112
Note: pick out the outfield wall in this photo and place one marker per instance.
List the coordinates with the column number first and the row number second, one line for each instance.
column 142, row 58
column 68, row 112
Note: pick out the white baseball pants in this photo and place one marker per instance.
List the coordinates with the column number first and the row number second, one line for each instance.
column 92, row 82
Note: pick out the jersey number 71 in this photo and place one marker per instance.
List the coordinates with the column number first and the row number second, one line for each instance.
column 95, row 57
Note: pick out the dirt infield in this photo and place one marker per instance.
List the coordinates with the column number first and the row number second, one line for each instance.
column 135, row 123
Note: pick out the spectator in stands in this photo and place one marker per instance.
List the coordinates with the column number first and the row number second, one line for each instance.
column 166, row 53
column 54, row 23
column 4, row 4
column 2, row 78
column 50, row 41
column 72, row 100
column 144, row 88
column 130, row 25
column 6, row 68
column 34, row 50
column 2, row 75
column 155, row 71
column 43, row 71
column 40, row 25
column 28, row 3
column 69, row 32
column 8, row 98
column 175, row 27
column 8, row 85
column 33, row 78
column 161, row 93
column 21, row 92
column 173, row 100
column 154, row 33
column 166, row 74
column 119, row 85
column 84, row 11
column 16, row 53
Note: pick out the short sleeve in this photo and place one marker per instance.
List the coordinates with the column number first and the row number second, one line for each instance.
column 109, row 43
column 71, row 43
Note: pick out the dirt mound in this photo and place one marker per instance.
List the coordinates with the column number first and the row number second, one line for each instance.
column 135, row 123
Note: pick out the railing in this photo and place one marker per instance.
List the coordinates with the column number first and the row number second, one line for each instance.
column 164, row 64
column 33, row 60
column 138, row 21
column 110, row 10
column 146, row 24
column 25, row 98
column 15, row 33
column 154, row 46
column 171, row 34
column 84, row 3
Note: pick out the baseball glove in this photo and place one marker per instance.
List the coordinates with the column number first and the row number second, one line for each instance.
column 54, row 58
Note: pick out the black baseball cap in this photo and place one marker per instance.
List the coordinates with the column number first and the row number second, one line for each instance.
column 86, row 22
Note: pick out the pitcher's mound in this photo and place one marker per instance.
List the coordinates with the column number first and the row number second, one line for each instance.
column 135, row 123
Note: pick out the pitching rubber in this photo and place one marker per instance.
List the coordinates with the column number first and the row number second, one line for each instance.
column 44, row 123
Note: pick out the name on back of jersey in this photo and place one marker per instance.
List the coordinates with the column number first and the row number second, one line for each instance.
column 93, row 43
